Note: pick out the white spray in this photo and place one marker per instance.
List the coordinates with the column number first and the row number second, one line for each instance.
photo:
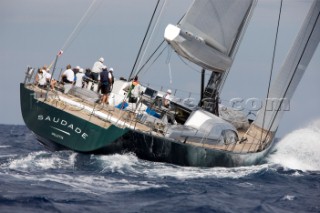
column 299, row 149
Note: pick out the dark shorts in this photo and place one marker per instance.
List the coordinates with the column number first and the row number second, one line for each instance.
column 94, row 76
column 105, row 89
column 42, row 86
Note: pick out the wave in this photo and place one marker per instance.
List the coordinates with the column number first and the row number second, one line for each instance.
column 300, row 149
column 129, row 164
column 42, row 160
column 93, row 184
column 72, row 170
column 126, row 166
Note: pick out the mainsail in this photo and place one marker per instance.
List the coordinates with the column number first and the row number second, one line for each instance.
column 209, row 32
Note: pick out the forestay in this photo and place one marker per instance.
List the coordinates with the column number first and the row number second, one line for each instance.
column 209, row 32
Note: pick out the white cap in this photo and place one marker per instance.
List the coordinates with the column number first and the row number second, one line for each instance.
column 169, row 91
column 101, row 60
column 81, row 70
column 78, row 67
column 111, row 69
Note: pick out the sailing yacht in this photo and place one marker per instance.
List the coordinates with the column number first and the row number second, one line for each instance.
column 204, row 134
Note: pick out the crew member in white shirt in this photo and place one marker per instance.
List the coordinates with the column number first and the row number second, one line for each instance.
column 41, row 78
column 79, row 78
column 167, row 98
column 97, row 69
column 68, row 78
column 50, row 80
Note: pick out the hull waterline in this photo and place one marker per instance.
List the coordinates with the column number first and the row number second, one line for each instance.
column 60, row 130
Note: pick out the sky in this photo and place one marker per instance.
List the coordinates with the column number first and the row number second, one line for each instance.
column 33, row 31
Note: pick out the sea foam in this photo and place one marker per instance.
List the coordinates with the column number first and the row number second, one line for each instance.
column 129, row 163
column 42, row 160
column 299, row 149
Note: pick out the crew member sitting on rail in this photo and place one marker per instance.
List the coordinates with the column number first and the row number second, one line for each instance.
column 52, row 82
column 41, row 78
column 67, row 78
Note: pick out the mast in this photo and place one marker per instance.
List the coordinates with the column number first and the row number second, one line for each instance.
column 202, row 86
column 210, row 97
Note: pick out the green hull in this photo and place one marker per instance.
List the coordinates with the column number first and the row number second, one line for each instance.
column 62, row 128
column 58, row 130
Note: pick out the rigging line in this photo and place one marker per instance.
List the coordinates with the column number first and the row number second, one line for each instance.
column 154, row 52
column 169, row 55
column 188, row 65
column 295, row 70
column 169, row 64
column 155, row 59
column 271, row 70
column 70, row 38
column 150, row 57
column 85, row 22
column 145, row 36
column 153, row 30
column 170, row 72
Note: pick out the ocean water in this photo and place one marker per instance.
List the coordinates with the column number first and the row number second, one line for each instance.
column 33, row 179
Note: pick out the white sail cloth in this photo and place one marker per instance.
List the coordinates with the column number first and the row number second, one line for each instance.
column 291, row 71
column 209, row 32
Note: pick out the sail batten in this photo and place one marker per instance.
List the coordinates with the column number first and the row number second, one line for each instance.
column 209, row 32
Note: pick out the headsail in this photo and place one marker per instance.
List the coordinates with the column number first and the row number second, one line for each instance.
column 208, row 33
column 291, row 71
